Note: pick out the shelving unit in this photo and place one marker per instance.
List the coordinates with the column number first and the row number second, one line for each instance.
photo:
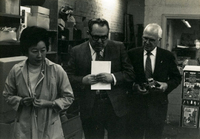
column 12, row 48
column 9, row 20
column 9, row 48
column 64, row 47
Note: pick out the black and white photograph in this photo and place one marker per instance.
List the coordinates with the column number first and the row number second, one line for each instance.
column 99, row 69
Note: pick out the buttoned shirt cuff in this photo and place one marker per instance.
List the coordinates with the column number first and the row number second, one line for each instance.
column 115, row 81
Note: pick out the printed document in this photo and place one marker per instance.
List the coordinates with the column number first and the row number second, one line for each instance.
column 100, row 67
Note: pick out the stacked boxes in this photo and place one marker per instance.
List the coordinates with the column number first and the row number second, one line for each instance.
column 7, row 114
column 39, row 16
column 10, row 6
column 190, row 97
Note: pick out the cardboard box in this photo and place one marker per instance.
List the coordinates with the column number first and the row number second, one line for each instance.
column 40, row 21
column 10, row 6
column 5, row 66
column 39, row 14
column 8, row 36
column 39, row 9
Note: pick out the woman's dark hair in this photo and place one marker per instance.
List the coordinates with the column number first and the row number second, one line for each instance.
column 99, row 21
column 30, row 36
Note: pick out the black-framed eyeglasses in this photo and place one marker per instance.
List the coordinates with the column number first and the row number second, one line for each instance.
column 97, row 37
column 148, row 39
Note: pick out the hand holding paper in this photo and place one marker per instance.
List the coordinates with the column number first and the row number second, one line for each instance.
column 102, row 71
column 89, row 79
column 104, row 78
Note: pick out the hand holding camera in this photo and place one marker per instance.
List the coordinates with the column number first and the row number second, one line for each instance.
column 150, row 85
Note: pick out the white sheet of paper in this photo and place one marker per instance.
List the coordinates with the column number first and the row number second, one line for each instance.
column 100, row 67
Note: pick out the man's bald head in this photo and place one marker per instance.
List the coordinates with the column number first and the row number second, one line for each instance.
column 153, row 30
column 152, row 35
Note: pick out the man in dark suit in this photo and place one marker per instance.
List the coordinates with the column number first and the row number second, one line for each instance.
column 101, row 109
column 156, row 75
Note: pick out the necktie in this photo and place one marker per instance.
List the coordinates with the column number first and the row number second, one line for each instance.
column 148, row 68
column 98, row 56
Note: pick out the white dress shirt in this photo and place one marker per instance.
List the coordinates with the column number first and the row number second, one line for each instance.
column 152, row 57
column 93, row 54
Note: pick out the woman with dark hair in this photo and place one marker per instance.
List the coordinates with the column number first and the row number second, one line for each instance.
column 37, row 89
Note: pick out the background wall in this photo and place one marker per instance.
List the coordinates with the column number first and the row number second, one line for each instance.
column 111, row 10
column 136, row 8
column 155, row 8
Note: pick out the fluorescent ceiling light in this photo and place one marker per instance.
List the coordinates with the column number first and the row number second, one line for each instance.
column 186, row 23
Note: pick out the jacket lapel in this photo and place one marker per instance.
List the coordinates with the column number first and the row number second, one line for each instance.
column 87, row 57
column 141, row 59
column 25, row 75
column 108, row 52
column 158, row 61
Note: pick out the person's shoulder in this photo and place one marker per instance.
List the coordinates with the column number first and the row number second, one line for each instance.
column 135, row 50
column 51, row 64
column 80, row 46
column 17, row 68
column 165, row 54
column 19, row 65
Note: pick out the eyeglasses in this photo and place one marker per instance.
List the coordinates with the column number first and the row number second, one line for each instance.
column 97, row 37
column 148, row 39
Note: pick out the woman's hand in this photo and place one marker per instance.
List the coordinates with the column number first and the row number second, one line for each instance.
column 27, row 101
column 41, row 103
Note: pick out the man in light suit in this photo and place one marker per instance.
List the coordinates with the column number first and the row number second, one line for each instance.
column 101, row 109
column 151, row 88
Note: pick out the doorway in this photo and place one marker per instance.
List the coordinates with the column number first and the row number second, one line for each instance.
column 176, row 33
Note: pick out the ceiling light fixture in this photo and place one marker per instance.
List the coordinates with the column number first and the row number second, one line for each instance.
column 186, row 23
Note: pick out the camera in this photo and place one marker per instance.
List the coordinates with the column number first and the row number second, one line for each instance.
column 144, row 88
column 152, row 84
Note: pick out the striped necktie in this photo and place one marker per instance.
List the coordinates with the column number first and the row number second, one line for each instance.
column 98, row 56
column 148, row 68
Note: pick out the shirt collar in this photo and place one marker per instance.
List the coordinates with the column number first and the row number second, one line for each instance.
column 91, row 49
column 153, row 52
column 93, row 52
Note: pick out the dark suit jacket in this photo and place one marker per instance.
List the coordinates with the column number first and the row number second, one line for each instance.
column 165, row 71
column 79, row 65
